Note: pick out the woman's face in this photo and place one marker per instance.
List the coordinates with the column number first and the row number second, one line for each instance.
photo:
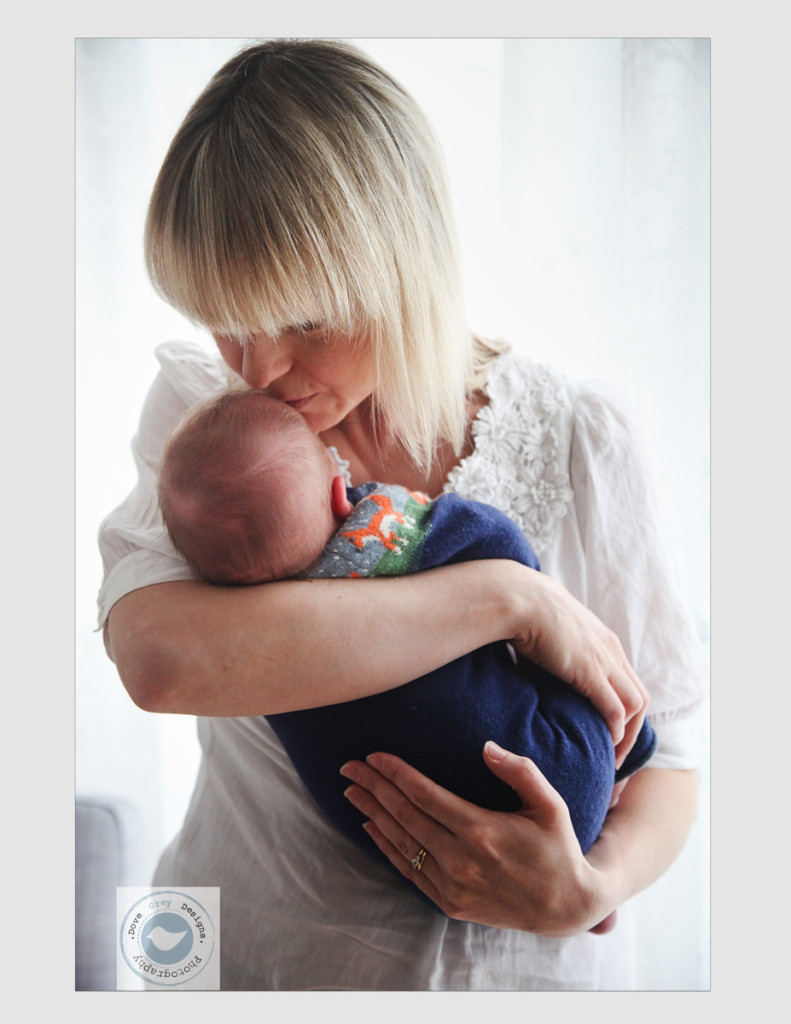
column 320, row 373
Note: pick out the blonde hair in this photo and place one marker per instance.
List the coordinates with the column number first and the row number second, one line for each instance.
column 306, row 185
column 244, row 490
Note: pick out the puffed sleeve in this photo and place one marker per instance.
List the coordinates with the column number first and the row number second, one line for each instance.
column 630, row 571
column 135, row 548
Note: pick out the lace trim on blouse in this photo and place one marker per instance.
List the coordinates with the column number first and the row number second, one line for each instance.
column 344, row 466
column 514, row 464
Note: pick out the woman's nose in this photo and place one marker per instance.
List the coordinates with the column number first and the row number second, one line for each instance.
column 264, row 361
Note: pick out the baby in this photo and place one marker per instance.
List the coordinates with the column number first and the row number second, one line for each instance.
column 249, row 494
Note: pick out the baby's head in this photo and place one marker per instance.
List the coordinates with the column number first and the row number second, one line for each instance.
column 248, row 493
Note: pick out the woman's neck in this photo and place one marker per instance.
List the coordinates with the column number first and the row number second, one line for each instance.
column 387, row 461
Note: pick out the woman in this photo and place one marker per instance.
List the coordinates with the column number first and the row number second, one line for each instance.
column 301, row 216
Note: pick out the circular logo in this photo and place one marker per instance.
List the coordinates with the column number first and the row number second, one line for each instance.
column 167, row 937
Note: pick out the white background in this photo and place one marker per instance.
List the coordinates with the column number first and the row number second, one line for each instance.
column 580, row 173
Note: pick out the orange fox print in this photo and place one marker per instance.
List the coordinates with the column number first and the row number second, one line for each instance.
column 380, row 525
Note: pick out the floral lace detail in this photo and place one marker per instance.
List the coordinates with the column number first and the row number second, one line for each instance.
column 344, row 466
column 514, row 463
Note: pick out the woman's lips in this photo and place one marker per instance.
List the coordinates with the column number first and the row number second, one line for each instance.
column 298, row 403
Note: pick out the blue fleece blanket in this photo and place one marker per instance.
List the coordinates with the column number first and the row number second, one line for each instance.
column 440, row 722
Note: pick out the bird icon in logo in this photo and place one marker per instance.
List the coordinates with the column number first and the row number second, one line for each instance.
column 165, row 940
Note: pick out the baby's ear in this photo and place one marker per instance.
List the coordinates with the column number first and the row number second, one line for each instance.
column 341, row 506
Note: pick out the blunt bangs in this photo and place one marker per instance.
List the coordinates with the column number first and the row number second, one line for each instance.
column 239, row 261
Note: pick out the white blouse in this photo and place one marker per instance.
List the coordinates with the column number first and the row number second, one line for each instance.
column 301, row 907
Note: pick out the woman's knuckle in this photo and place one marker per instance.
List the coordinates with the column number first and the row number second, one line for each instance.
column 476, row 835
column 557, row 811
column 632, row 705
column 463, row 873
column 636, row 703
column 469, row 875
column 454, row 869
column 421, row 797
column 482, row 839
column 403, row 847
column 406, row 817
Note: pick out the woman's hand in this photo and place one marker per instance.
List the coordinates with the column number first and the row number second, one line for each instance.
column 520, row 870
column 561, row 635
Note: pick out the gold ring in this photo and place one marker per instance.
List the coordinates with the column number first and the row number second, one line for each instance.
column 417, row 862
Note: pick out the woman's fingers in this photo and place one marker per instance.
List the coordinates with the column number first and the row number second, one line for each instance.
column 631, row 732
column 421, row 808
column 635, row 700
column 568, row 640
column 617, row 693
column 607, row 700
column 618, row 690
column 407, row 812
column 423, row 877
column 540, row 801
column 401, row 840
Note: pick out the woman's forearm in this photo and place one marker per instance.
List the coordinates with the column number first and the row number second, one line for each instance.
column 643, row 834
column 194, row 648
